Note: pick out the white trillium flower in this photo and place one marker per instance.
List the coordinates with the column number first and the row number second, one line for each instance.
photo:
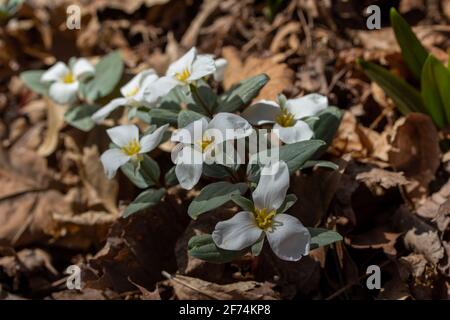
column 287, row 236
column 288, row 125
column 186, row 70
column 65, row 80
column 137, row 92
column 130, row 147
column 203, row 142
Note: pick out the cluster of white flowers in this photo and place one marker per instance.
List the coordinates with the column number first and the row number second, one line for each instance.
column 202, row 141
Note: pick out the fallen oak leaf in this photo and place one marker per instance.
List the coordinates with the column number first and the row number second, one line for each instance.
column 188, row 288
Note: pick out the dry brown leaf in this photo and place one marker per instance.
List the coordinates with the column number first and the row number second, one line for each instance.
column 415, row 150
column 188, row 288
column 281, row 77
column 383, row 178
column 55, row 122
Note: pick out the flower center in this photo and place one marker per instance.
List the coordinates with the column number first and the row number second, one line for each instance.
column 205, row 142
column 132, row 92
column 183, row 76
column 132, row 148
column 285, row 118
column 69, row 78
column 264, row 217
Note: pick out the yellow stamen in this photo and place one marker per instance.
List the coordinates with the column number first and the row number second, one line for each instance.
column 285, row 118
column 204, row 143
column 132, row 148
column 264, row 217
column 132, row 92
column 69, row 78
column 183, row 76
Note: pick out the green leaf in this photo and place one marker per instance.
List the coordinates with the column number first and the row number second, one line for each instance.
column 322, row 237
column 413, row 52
column 243, row 202
column 170, row 178
column 436, row 91
column 80, row 117
column 144, row 200
column 32, row 80
column 160, row 116
column 205, row 99
column 257, row 247
column 241, row 94
column 406, row 98
column 215, row 170
column 213, row 196
column 295, row 155
column 320, row 164
column 327, row 124
column 203, row 247
column 108, row 72
column 290, row 200
column 185, row 117
column 142, row 175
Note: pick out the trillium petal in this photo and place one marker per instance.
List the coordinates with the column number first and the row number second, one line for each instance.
column 288, row 238
column 122, row 135
column 105, row 111
column 82, row 68
column 55, row 72
column 237, row 233
column 272, row 186
column 188, row 174
column 221, row 65
column 307, row 106
column 185, row 62
column 63, row 93
column 134, row 85
column 192, row 132
column 152, row 140
column 229, row 126
column 112, row 159
column 160, row 87
column 299, row 132
column 262, row 112
column 203, row 65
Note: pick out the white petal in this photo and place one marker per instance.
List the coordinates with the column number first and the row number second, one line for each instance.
column 82, row 68
column 185, row 62
column 288, row 238
column 203, row 65
column 229, row 126
column 55, row 72
column 105, row 111
column 237, row 233
column 192, row 132
column 63, row 93
column 134, row 85
column 122, row 135
column 307, row 106
column 262, row 112
column 112, row 159
column 221, row 65
column 151, row 141
column 160, row 87
column 272, row 186
column 188, row 174
column 299, row 132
